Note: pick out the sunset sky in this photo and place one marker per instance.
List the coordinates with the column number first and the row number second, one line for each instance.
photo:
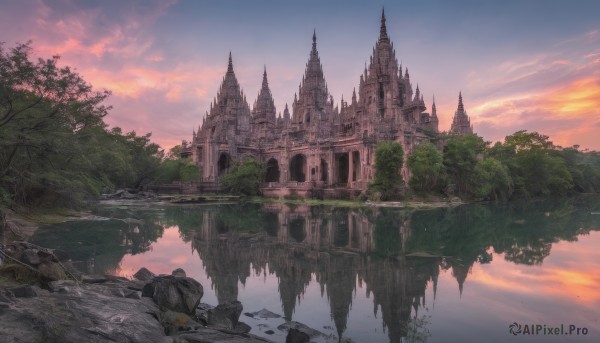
column 521, row 64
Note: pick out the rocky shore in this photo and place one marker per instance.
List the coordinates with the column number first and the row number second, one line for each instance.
column 148, row 308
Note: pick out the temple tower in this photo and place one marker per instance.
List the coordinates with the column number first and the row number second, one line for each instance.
column 461, row 124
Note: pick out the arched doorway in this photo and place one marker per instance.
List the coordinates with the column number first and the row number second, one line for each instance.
column 272, row 174
column 224, row 163
column 342, row 168
column 324, row 170
column 298, row 168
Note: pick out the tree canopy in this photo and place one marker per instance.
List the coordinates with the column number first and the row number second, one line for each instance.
column 389, row 158
column 55, row 147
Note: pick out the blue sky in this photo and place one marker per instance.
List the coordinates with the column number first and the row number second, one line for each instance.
column 520, row 64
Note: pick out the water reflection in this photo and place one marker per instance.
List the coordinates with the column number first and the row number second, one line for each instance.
column 395, row 257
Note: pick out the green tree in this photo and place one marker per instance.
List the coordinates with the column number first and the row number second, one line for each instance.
column 425, row 164
column 244, row 177
column 389, row 157
column 492, row 180
column 460, row 158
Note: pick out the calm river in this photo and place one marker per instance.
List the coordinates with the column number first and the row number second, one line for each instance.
column 473, row 273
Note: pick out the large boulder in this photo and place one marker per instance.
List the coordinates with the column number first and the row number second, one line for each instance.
column 297, row 336
column 179, row 294
column 225, row 315
column 73, row 313
column 144, row 274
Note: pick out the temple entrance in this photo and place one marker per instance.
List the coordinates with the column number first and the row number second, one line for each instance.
column 298, row 168
column 224, row 163
column 355, row 165
column 341, row 161
column 272, row 174
column 324, row 170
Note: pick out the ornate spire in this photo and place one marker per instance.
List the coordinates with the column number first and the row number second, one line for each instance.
column 265, row 83
column 433, row 108
column 461, row 107
column 383, row 30
column 230, row 65
column 314, row 45
column 461, row 124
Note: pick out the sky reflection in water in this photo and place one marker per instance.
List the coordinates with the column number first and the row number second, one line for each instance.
column 354, row 271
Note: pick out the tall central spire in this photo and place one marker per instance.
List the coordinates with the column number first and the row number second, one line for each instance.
column 383, row 30
column 314, row 45
column 230, row 65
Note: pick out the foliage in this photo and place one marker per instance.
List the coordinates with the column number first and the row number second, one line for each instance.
column 492, row 180
column 389, row 157
column 460, row 158
column 425, row 164
column 244, row 177
column 175, row 168
column 55, row 148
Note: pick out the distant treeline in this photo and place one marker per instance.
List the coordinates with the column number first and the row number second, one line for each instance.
column 56, row 149
column 526, row 165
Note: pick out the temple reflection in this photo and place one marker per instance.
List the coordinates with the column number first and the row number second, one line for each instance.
column 336, row 245
column 394, row 256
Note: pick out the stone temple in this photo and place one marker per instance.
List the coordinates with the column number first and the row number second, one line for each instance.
column 317, row 148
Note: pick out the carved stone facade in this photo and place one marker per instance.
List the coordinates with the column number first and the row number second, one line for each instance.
column 320, row 147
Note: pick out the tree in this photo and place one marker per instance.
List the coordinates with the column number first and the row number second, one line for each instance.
column 55, row 148
column 460, row 158
column 492, row 180
column 425, row 164
column 389, row 157
column 244, row 177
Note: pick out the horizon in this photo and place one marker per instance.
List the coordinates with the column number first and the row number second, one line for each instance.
column 516, row 68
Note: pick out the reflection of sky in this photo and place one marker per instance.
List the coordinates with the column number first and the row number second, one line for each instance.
column 565, row 289
column 520, row 64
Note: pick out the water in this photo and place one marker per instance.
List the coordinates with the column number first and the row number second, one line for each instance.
column 369, row 275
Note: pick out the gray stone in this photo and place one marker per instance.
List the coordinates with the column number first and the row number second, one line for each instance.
column 179, row 294
column 144, row 274
column 296, row 336
column 225, row 315
column 210, row 335
column 264, row 313
column 25, row 291
column 93, row 279
column 312, row 333
column 30, row 256
column 202, row 312
column 179, row 272
column 242, row 327
column 80, row 313
column 176, row 322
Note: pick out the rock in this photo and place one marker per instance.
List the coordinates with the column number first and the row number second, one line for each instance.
column 209, row 335
column 297, row 336
column 51, row 271
column 176, row 322
column 312, row 333
column 30, row 257
column 144, row 274
column 80, row 314
column 202, row 312
column 179, row 294
column 264, row 313
column 93, row 279
column 269, row 332
column 178, row 272
column 25, row 291
column 225, row 315
column 242, row 327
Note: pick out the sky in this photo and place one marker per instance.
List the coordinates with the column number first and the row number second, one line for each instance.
column 520, row 64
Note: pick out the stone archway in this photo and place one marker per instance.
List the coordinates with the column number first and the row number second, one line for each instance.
column 224, row 163
column 324, row 171
column 298, row 168
column 342, row 163
column 272, row 174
